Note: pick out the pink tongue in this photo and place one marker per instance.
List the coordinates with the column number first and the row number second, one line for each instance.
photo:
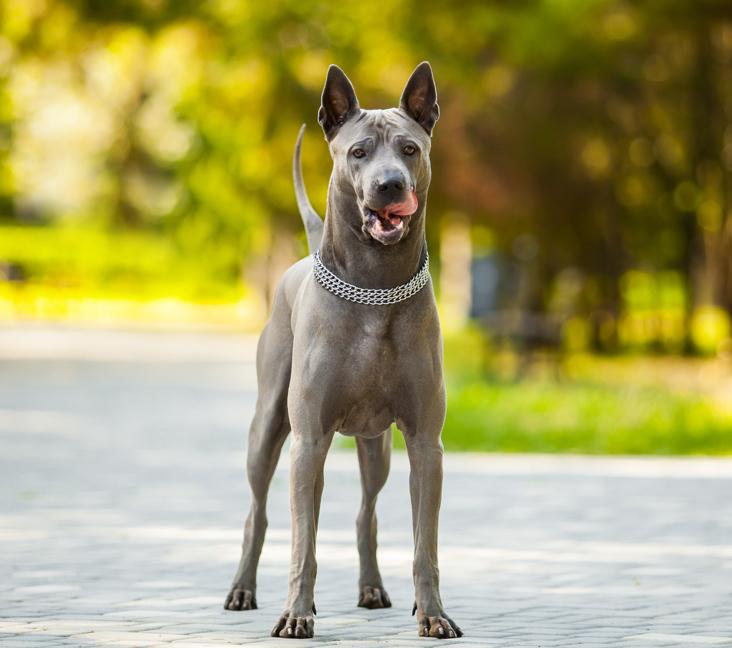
column 406, row 208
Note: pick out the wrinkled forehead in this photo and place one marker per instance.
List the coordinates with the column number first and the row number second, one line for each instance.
column 381, row 125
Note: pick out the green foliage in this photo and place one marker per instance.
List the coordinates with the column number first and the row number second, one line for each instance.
column 600, row 129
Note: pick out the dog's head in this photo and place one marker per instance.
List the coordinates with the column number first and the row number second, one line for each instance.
column 381, row 156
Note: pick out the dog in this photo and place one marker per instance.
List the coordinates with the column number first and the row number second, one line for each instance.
column 353, row 345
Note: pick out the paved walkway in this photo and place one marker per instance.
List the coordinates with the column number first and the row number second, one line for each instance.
column 122, row 497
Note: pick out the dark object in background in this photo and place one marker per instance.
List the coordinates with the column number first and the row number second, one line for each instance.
column 12, row 272
column 532, row 335
column 505, row 303
column 486, row 275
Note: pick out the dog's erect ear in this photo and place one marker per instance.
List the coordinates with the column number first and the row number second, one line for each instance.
column 419, row 99
column 338, row 103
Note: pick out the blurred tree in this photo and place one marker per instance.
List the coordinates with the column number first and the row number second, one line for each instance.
column 601, row 130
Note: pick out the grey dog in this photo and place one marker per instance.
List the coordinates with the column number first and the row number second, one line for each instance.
column 352, row 346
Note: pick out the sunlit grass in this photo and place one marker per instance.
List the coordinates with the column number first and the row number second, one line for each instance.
column 544, row 416
column 101, row 264
column 622, row 405
column 84, row 275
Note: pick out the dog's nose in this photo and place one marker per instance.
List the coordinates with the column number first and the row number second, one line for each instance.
column 393, row 183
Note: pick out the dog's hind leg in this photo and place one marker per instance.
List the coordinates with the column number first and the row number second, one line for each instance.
column 373, row 457
column 267, row 434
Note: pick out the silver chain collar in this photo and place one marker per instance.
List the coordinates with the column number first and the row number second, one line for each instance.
column 370, row 296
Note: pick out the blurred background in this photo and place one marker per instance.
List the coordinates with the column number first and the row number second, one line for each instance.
column 580, row 215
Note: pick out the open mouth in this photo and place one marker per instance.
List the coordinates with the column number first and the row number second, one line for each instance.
column 384, row 221
column 389, row 224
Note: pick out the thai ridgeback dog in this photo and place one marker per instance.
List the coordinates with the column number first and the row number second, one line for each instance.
column 353, row 345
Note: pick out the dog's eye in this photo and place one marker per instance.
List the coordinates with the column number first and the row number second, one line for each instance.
column 358, row 152
column 409, row 149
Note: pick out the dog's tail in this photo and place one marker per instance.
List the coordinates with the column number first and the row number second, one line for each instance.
column 313, row 222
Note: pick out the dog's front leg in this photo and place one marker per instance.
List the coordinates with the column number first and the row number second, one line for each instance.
column 425, row 485
column 307, row 457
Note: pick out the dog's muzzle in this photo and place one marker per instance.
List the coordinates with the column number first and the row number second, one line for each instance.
column 389, row 224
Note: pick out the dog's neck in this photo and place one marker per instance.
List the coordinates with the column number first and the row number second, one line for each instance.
column 360, row 260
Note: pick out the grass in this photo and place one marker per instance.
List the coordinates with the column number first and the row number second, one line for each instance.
column 543, row 416
column 92, row 276
column 102, row 263
column 624, row 405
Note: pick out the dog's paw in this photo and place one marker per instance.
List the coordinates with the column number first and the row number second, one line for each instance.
column 373, row 598
column 294, row 627
column 240, row 599
column 439, row 627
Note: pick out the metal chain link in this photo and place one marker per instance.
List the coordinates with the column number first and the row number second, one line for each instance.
column 370, row 296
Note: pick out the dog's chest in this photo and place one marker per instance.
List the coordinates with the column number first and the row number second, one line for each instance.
column 356, row 369
column 370, row 386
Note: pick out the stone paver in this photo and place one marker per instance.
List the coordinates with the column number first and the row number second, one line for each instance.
column 123, row 494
